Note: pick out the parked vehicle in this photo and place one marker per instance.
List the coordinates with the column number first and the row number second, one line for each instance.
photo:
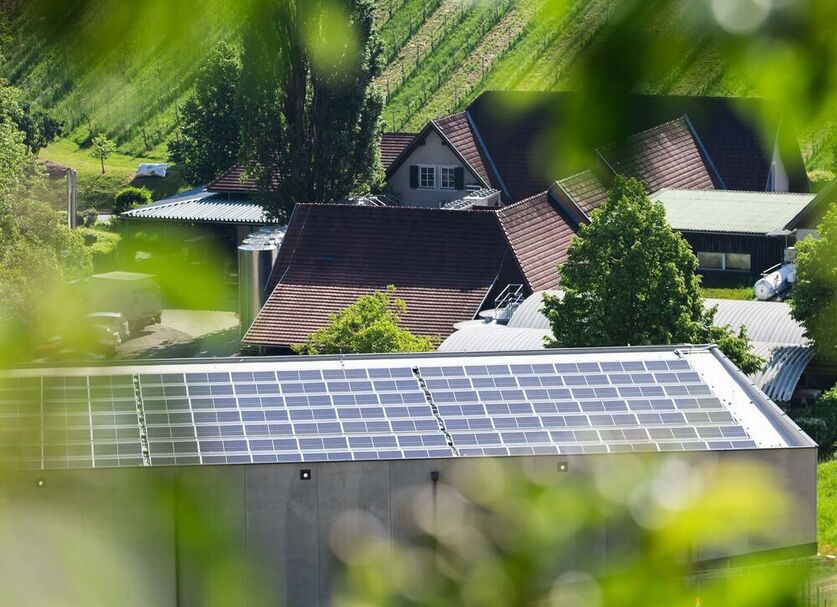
column 133, row 295
column 115, row 322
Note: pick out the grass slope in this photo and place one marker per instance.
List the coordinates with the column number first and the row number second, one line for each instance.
column 127, row 79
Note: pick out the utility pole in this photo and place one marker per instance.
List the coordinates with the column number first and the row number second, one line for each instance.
column 72, row 199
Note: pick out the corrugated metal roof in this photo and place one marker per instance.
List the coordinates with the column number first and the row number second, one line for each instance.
column 785, row 365
column 528, row 314
column 494, row 338
column 766, row 321
column 730, row 211
column 775, row 335
column 200, row 205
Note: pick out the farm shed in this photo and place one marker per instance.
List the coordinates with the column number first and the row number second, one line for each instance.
column 279, row 449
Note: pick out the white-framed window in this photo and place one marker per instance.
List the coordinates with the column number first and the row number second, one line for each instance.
column 447, row 178
column 426, row 177
column 737, row 262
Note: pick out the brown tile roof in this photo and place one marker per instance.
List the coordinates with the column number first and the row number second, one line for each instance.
column 458, row 132
column 523, row 133
column 392, row 144
column 539, row 235
column 442, row 263
column 233, row 180
column 665, row 156
column 584, row 190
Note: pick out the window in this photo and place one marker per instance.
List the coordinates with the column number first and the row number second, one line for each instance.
column 710, row 261
column 738, row 261
column 447, row 178
column 427, row 177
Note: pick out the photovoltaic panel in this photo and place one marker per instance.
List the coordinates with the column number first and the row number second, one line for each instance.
column 574, row 408
column 289, row 416
column 305, row 410
column 61, row 422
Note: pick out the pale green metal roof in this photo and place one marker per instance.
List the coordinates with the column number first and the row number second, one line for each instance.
column 730, row 211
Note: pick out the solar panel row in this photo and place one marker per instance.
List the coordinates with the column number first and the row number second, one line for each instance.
column 362, row 414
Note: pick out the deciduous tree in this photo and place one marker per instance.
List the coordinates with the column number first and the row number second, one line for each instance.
column 102, row 149
column 210, row 133
column 310, row 113
column 371, row 324
column 814, row 301
column 630, row 279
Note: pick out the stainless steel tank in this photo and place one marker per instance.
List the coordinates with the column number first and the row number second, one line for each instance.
column 255, row 262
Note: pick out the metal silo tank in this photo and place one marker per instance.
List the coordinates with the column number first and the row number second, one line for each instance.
column 255, row 262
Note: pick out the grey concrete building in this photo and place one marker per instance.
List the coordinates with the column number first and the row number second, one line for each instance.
column 172, row 477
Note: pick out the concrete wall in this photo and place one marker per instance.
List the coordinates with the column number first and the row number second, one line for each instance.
column 258, row 533
column 434, row 152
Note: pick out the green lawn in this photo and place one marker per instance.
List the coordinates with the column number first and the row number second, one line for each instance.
column 827, row 507
column 97, row 190
column 727, row 287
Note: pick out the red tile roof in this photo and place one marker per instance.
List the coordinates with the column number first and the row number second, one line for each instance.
column 458, row 132
column 584, row 190
column 539, row 235
column 666, row 156
column 233, row 180
column 442, row 263
column 392, row 144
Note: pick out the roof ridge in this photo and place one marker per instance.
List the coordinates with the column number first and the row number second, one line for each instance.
column 729, row 191
column 681, row 118
column 574, row 175
column 519, row 202
column 447, row 116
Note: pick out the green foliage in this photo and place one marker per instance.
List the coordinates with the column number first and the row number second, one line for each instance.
column 827, row 507
column 370, row 325
column 210, row 138
column 39, row 127
column 814, row 301
column 130, row 198
column 819, row 421
column 630, row 279
column 309, row 110
column 101, row 149
column 102, row 244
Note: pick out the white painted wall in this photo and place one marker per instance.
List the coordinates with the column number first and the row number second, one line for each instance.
column 433, row 152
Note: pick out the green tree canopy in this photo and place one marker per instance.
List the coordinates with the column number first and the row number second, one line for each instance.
column 630, row 279
column 819, row 420
column 102, row 148
column 814, row 301
column 310, row 114
column 210, row 133
column 369, row 325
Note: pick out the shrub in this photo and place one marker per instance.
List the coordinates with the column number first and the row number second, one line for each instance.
column 819, row 421
column 130, row 198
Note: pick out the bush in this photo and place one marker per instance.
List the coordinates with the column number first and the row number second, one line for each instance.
column 130, row 198
column 820, row 422
column 102, row 246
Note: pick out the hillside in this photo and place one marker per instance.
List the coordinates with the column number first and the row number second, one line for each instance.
column 441, row 54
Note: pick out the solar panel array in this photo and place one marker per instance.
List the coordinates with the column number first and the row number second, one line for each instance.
column 75, row 422
column 372, row 413
column 569, row 408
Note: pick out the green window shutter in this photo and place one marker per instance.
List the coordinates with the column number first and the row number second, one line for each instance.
column 413, row 177
column 459, row 178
